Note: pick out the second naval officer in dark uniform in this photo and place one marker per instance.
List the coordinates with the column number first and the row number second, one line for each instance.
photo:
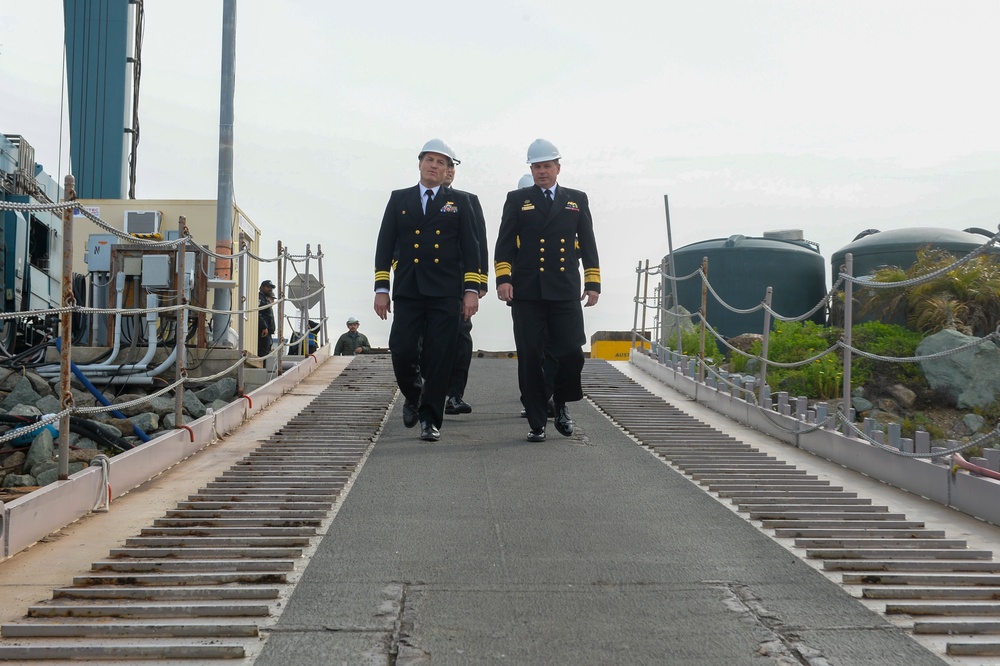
column 456, row 403
column 436, row 282
column 546, row 232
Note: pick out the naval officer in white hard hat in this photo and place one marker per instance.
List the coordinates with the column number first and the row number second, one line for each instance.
column 435, row 282
column 546, row 232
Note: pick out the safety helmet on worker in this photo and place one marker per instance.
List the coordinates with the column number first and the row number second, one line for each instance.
column 353, row 320
column 440, row 147
column 527, row 180
column 542, row 150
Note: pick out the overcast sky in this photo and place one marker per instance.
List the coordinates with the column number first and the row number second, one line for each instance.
column 830, row 117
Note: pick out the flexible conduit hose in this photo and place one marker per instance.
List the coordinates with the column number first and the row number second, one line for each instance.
column 100, row 396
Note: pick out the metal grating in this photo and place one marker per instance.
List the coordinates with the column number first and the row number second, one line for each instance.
column 212, row 570
column 937, row 585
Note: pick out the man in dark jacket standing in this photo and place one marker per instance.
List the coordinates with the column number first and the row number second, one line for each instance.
column 463, row 349
column 265, row 318
column 352, row 342
column 436, row 277
column 546, row 232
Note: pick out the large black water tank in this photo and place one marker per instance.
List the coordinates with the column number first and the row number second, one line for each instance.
column 876, row 249
column 740, row 269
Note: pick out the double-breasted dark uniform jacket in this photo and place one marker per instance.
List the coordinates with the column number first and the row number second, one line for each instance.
column 438, row 252
column 436, row 261
column 539, row 251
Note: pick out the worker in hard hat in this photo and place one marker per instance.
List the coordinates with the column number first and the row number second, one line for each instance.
column 352, row 342
column 432, row 227
column 456, row 404
column 546, row 232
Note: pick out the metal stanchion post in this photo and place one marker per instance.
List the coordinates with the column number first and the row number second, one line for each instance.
column 848, row 324
column 323, row 339
column 635, row 314
column 645, row 295
column 241, row 315
column 181, row 335
column 66, row 327
column 764, row 345
column 704, row 310
column 279, row 325
column 304, row 308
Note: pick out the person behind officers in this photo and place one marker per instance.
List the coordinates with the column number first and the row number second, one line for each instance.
column 265, row 318
column 352, row 342
column 546, row 232
column 436, row 277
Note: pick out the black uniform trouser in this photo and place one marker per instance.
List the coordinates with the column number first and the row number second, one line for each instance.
column 422, row 342
column 463, row 359
column 555, row 327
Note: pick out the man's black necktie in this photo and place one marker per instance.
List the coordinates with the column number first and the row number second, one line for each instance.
column 430, row 196
column 548, row 200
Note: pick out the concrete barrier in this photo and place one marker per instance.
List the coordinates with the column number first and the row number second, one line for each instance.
column 26, row 520
column 973, row 495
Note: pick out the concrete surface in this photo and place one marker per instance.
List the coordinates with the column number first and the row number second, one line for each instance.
column 484, row 548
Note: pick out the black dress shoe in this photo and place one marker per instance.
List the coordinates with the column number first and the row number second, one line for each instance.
column 429, row 432
column 410, row 414
column 524, row 413
column 564, row 424
column 537, row 435
column 457, row 406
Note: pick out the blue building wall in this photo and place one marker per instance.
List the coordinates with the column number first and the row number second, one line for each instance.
column 96, row 64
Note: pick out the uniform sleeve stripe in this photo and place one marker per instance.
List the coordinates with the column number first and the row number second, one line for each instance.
column 472, row 277
column 381, row 275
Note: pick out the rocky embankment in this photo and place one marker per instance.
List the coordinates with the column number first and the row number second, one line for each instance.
column 30, row 460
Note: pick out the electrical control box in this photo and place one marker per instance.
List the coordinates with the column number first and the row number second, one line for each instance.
column 132, row 266
column 156, row 271
column 98, row 255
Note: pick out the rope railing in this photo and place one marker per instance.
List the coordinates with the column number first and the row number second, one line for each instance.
column 842, row 346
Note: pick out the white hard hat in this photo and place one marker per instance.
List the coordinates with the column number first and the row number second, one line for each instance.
column 541, row 150
column 439, row 146
column 353, row 320
column 527, row 180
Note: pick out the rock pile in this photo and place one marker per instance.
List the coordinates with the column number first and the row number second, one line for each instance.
column 31, row 459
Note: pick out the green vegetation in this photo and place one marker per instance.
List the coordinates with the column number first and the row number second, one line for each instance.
column 823, row 378
column 966, row 298
column 919, row 421
column 691, row 345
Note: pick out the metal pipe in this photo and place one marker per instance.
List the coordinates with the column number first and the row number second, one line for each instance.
column 224, row 203
column 66, row 327
column 323, row 339
column 673, row 273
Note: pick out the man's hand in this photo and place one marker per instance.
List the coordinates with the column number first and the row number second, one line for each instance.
column 505, row 292
column 263, row 332
column 383, row 305
column 591, row 298
column 470, row 304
